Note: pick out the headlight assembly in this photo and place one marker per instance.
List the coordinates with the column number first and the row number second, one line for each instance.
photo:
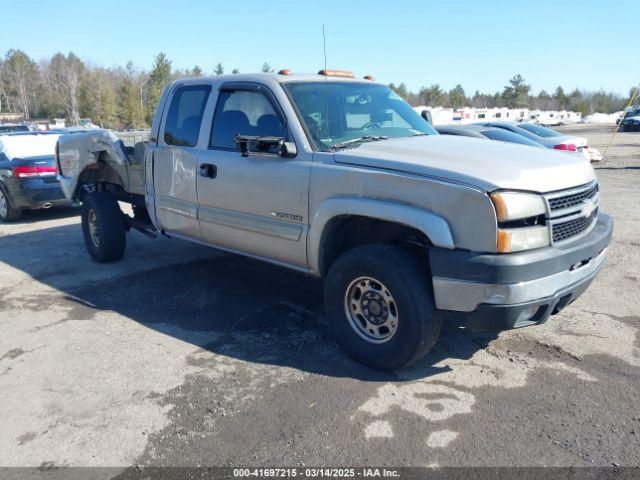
column 517, row 205
column 520, row 221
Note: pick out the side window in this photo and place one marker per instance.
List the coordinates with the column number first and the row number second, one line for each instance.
column 182, row 126
column 243, row 112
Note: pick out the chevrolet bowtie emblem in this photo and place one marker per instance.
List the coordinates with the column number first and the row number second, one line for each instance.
column 589, row 207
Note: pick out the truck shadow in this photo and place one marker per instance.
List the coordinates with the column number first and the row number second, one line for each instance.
column 222, row 303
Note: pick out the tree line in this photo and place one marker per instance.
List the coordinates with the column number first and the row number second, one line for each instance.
column 517, row 94
column 66, row 87
column 125, row 97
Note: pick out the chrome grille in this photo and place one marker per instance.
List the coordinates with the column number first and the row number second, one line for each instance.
column 572, row 200
column 572, row 212
column 565, row 230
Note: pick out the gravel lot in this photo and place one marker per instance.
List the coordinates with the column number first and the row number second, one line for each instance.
column 180, row 355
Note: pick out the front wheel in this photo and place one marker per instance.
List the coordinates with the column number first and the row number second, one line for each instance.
column 380, row 305
column 103, row 227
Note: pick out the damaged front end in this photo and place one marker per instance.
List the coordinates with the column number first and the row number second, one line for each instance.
column 98, row 156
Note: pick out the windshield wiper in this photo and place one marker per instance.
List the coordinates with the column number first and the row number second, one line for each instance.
column 366, row 138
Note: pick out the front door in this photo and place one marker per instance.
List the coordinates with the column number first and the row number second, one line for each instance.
column 256, row 204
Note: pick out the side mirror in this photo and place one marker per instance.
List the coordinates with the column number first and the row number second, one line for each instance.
column 288, row 149
column 249, row 144
column 426, row 114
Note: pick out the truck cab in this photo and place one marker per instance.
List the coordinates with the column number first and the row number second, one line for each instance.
column 339, row 178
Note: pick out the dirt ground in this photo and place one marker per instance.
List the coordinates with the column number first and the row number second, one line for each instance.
column 181, row 355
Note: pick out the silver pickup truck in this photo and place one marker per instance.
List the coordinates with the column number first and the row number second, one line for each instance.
column 340, row 178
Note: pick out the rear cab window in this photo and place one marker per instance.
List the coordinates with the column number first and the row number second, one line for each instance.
column 184, row 119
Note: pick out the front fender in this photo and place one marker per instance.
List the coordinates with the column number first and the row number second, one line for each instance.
column 79, row 150
column 432, row 225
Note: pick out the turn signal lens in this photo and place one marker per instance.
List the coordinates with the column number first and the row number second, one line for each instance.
column 523, row 238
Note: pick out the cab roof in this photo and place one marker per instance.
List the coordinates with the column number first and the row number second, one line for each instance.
column 273, row 77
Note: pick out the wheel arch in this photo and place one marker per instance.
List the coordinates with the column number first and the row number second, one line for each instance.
column 99, row 174
column 332, row 215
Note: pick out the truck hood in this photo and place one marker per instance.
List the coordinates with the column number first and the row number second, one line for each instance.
column 485, row 164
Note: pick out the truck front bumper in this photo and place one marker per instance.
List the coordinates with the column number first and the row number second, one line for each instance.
column 489, row 292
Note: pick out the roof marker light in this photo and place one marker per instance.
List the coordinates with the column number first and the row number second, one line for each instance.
column 337, row 73
column 370, row 78
column 285, row 71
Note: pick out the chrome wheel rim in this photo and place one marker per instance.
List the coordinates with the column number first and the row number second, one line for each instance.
column 94, row 232
column 4, row 208
column 371, row 310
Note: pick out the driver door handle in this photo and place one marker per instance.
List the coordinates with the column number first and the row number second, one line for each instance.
column 208, row 170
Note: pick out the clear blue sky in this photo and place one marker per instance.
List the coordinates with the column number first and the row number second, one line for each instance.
column 479, row 44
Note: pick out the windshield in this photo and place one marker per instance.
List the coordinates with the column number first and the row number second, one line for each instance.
column 540, row 130
column 336, row 112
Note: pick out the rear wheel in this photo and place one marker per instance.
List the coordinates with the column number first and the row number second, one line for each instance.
column 103, row 227
column 380, row 305
column 7, row 212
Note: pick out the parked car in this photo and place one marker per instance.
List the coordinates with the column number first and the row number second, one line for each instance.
column 341, row 179
column 6, row 128
column 28, row 174
column 632, row 111
column 546, row 136
column 492, row 133
column 630, row 124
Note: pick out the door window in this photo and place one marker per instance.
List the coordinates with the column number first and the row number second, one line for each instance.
column 243, row 112
column 184, row 119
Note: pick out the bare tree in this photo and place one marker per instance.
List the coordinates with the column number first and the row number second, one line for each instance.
column 62, row 76
column 19, row 80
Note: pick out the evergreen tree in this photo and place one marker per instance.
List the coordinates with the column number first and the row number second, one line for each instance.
column 219, row 70
column 401, row 90
column 159, row 78
column 561, row 98
column 433, row 96
column 130, row 111
column 266, row 68
column 100, row 99
column 457, row 97
column 516, row 94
